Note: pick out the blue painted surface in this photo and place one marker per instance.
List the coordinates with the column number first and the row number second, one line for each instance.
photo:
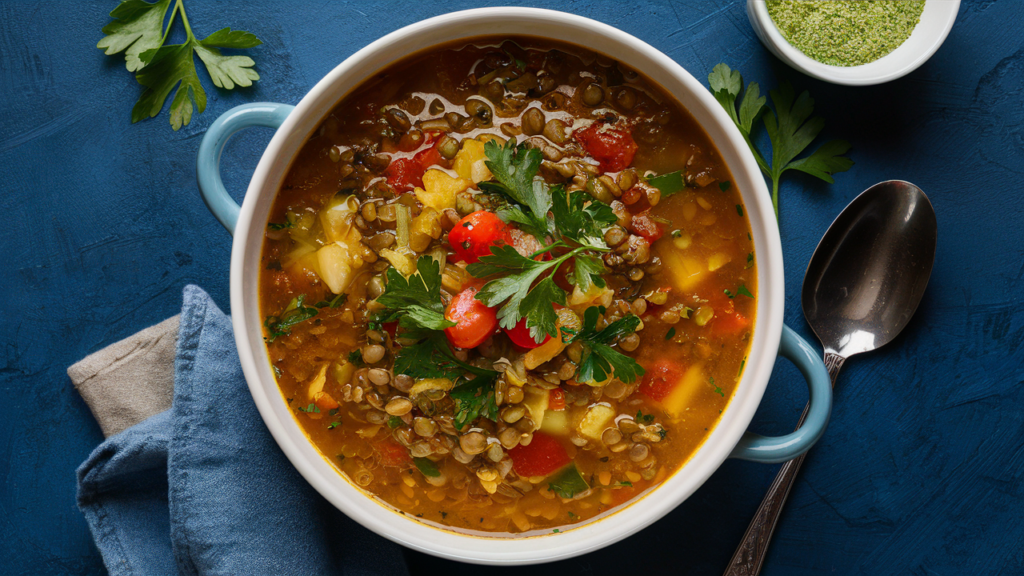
column 920, row 470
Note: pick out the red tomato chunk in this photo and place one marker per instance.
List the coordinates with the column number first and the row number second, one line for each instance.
column 613, row 148
column 543, row 456
column 473, row 236
column 475, row 321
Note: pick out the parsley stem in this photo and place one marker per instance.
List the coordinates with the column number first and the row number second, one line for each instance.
column 184, row 19
column 775, row 196
column 170, row 23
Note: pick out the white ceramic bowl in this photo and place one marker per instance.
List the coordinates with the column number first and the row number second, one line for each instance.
column 297, row 124
column 936, row 21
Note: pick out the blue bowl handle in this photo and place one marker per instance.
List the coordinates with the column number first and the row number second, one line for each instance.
column 211, row 187
column 771, row 449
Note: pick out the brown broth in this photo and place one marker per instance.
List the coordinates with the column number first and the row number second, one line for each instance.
column 707, row 228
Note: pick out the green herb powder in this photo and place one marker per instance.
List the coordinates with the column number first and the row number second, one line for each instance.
column 845, row 32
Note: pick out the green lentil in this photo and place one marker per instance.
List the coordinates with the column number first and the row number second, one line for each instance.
column 845, row 32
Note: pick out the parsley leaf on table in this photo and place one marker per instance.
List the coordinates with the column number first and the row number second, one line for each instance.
column 790, row 128
column 138, row 32
column 600, row 360
column 138, row 26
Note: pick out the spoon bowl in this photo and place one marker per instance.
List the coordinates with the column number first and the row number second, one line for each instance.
column 870, row 270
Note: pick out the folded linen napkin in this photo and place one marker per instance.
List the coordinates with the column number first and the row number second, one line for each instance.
column 202, row 488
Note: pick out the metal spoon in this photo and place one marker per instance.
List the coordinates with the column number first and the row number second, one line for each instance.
column 862, row 286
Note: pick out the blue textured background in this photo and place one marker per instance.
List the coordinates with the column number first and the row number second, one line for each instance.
column 920, row 470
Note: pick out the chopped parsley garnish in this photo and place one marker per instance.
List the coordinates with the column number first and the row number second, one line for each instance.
column 568, row 483
column 569, row 225
column 750, row 260
column 138, row 30
column 671, row 332
column 293, row 314
column 281, row 225
column 599, row 360
column 623, row 484
column 394, row 422
column 356, row 357
column 742, row 364
column 644, row 418
column 741, row 291
column 475, row 398
column 427, row 467
column 725, row 186
column 333, row 412
column 718, row 390
column 662, row 432
column 739, row 210
column 333, row 425
column 312, row 408
column 790, row 128
column 669, row 183
column 335, row 302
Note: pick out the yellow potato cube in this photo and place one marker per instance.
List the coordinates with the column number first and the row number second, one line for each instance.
column 555, row 422
column 718, row 260
column 466, row 162
column 683, row 394
column 687, row 272
column 335, row 268
column 596, row 421
column 439, row 189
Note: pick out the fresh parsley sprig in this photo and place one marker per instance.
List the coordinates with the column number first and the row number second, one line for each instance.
column 599, row 359
column 138, row 31
column 791, row 129
column 570, row 226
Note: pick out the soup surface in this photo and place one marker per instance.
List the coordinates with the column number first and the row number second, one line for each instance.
column 508, row 286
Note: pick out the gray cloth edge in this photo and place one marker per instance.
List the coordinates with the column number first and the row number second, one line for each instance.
column 130, row 380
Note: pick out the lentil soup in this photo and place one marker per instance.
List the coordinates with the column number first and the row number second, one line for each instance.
column 508, row 286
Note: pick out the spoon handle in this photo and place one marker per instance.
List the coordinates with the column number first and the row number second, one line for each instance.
column 749, row 555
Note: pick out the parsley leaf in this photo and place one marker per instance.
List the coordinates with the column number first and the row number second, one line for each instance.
column 138, row 31
column 568, row 483
column 644, row 418
column 312, row 408
column 427, row 467
column 416, row 301
column 718, row 390
column 790, row 128
column 475, row 398
column 515, row 167
column 137, row 27
column 669, row 183
column 599, row 359
column 335, row 302
column 293, row 314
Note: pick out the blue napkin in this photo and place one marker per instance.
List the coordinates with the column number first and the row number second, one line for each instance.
column 203, row 488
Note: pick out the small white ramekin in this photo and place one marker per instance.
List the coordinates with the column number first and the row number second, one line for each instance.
column 936, row 22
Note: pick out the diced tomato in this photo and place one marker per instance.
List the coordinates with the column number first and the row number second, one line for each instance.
column 659, row 381
column 475, row 321
column 620, row 495
column 474, row 235
column 556, row 400
column 392, row 453
column 405, row 174
column 543, row 456
column 520, row 336
column 613, row 148
column 390, row 327
column 729, row 323
column 643, row 225
column 429, row 157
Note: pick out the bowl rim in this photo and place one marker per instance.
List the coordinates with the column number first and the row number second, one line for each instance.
column 246, row 323
column 937, row 20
